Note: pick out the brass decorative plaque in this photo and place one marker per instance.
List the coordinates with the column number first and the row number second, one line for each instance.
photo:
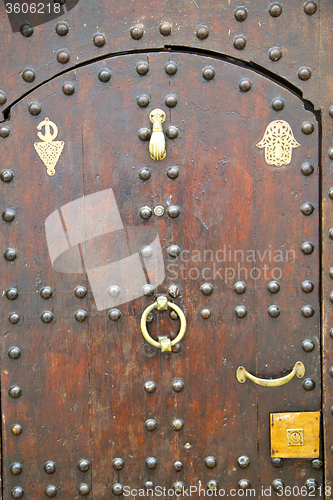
column 295, row 435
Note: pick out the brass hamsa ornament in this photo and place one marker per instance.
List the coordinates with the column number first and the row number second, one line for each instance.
column 49, row 150
column 278, row 141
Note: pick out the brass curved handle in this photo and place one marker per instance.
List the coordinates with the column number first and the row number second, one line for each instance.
column 298, row 370
column 164, row 343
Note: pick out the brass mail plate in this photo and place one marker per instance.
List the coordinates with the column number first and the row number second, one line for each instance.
column 295, row 435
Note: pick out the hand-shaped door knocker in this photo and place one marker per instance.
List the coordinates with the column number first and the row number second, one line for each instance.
column 164, row 343
column 157, row 140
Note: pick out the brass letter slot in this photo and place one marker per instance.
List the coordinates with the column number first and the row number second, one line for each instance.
column 295, row 435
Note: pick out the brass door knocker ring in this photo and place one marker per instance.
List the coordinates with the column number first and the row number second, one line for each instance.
column 164, row 343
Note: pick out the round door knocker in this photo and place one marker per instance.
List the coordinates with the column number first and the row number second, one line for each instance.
column 164, row 343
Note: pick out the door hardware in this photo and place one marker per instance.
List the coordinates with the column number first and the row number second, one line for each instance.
column 157, row 140
column 298, row 370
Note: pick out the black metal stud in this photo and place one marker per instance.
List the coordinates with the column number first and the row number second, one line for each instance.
column 278, row 104
column 34, row 108
column 84, row 489
column 178, row 488
column 114, row 291
column 147, row 252
column 150, row 387
column 16, row 429
column 114, row 314
column 307, row 169
column 277, row 484
column 147, row 290
column 330, row 153
column 240, row 287
column 173, row 251
column 28, row 75
column 275, row 53
column 308, row 384
column 244, row 484
column 143, row 100
column 80, row 315
column 174, row 291
column 311, row 483
column 26, row 30
column 331, row 371
column 331, row 333
column 118, row 463
column 104, row 75
column 12, row 293
column 177, row 424
column 83, row 465
column 240, row 14
column 142, row 68
column 307, row 286
column 14, row 318
column 317, row 464
column 208, row 73
column 330, row 110
column 136, row 32
column 310, row 8
column 240, row 42
column 277, row 462
column 149, row 485
column 3, row 98
column 304, row 74
column 308, row 345
column 151, row 463
column 16, row 468
column 330, row 233
column 117, row 489
column 62, row 28
column 173, row 173
column 307, row 311
column 80, row 292
column 206, row 289
column 171, row 100
column 145, row 174
column 47, row 316
column 171, row 68
column 178, row 386
column 202, row 32
column 307, row 248
column 243, row 462
column 330, row 272
column 307, row 208
column 210, row 462
column 8, row 215
column 4, row 131
column 68, row 88
column 46, row 292
column 63, row 56
column 212, row 484
column 145, row 213
column 151, row 424
column 274, row 311
column 144, row 134
column 99, row 39
column 173, row 211
column 17, row 492
column 177, row 465
column 273, row 287
column 172, row 132
column 206, row 313
column 51, row 491
column 166, row 29
column 15, row 392
column 275, row 10
column 14, row 353
column 50, row 467
column 241, row 312
column 245, row 85
column 307, row 128
column 6, row 175
column 150, row 318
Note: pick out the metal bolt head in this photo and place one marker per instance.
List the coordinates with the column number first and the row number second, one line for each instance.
column 274, row 311
column 275, row 53
column 10, row 254
column 317, row 464
column 104, row 75
column 62, row 28
column 244, row 484
column 16, row 468
column 273, row 287
column 210, row 462
column 307, row 248
column 243, row 462
column 142, row 68
column 307, row 286
column 83, row 465
column 278, row 104
column 150, row 387
column 14, row 353
column 307, row 311
column 206, row 289
column 80, row 315
column 171, row 68
column 149, row 485
column 159, row 210
column 208, row 73
column 136, row 32
column 47, row 316
column 34, row 108
column 17, row 492
column 307, row 169
column 6, row 175
column 46, row 292
column 174, row 291
column 307, row 128
column 240, row 287
column 330, row 153
column 3, row 98
column 4, row 131
column 330, row 110
column 241, row 312
column 117, row 489
column 170, row 100
column 206, row 313
column 80, row 292
column 11, row 293
column 330, row 272
column 173, row 173
column 311, row 483
column 8, row 215
column 14, row 318
column 63, row 56
column 16, row 429
column 275, row 10
column 99, row 40
column 308, row 384
column 114, row 291
column 28, row 75
column 178, row 488
column 178, row 386
column 177, row 465
column 144, row 134
column 151, row 425
column 240, row 42
column 166, row 29
column 277, row 462
column 68, row 88
column 148, row 290
column 277, row 484
column 147, row 252
column 177, row 424
column 26, row 30
column 245, row 85
column 50, row 467
column 240, row 14
column 307, row 208
column 310, row 8
column 15, row 392
column 51, row 491
column 308, row 345
column 172, row 132
column 145, row 174
column 84, row 489
column 118, row 463
column 173, row 211
column 173, row 251
column 150, row 318
column 202, row 32
column 143, row 100
column 151, row 463
column 212, row 484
